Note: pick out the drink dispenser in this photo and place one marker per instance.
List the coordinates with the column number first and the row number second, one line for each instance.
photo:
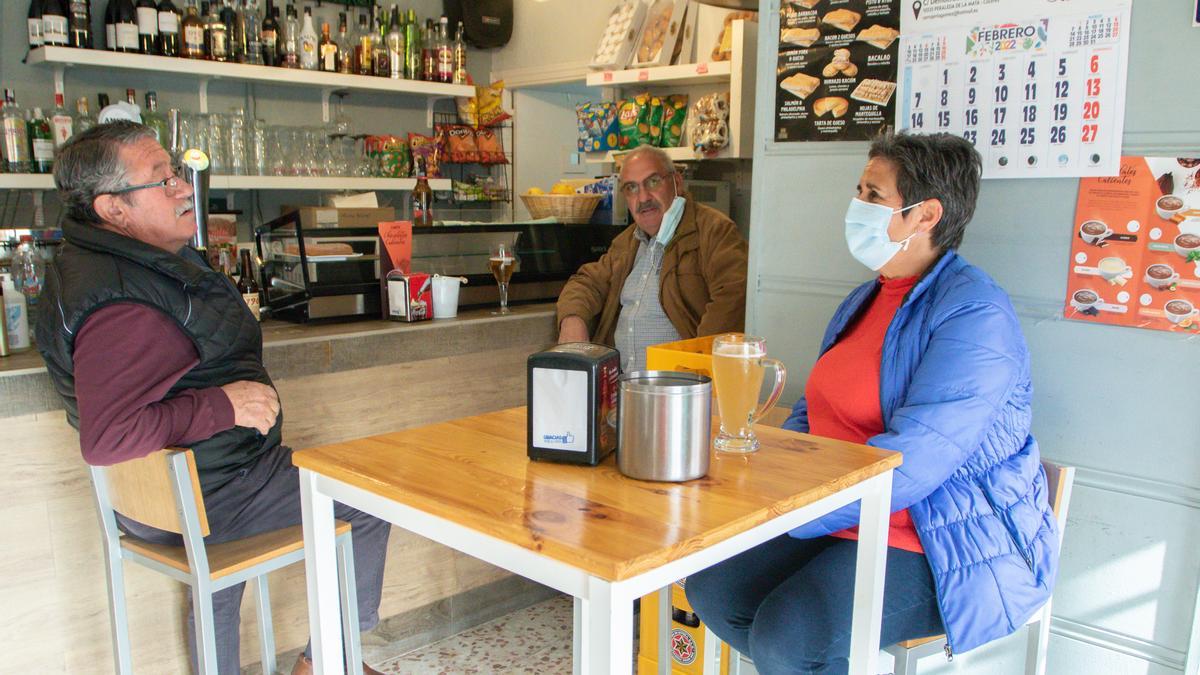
column 194, row 165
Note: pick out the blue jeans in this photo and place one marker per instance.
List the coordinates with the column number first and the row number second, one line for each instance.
column 787, row 603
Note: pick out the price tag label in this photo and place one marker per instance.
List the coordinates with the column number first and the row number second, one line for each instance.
column 643, row 75
column 608, row 76
column 701, row 68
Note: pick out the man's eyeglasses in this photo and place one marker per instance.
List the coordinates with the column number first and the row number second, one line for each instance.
column 652, row 182
column 171, row 183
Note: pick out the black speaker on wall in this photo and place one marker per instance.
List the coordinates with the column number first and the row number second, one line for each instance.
column 487, row 23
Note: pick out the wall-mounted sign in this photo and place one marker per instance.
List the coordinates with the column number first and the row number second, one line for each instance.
column 1038, row 89
column 1135, row 256
column 836, row 75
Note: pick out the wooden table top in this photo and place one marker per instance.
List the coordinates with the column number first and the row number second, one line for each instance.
column 474, row 471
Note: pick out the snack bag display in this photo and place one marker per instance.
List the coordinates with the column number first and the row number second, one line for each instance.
column 390, row 154
column 484, row 109
column 675, row 112
column 458, row 143
column 654, row 120
column 599, row 130
column 427, row 152
column 633, row 115
column 491, row 149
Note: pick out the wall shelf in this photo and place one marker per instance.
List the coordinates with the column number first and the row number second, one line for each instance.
column 36, row 181
column 686, row 74
column 63, row 57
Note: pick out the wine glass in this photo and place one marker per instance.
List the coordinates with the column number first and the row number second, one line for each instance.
column 502, row 261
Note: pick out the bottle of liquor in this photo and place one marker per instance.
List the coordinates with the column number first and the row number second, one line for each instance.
column 269, row 36
column 17, row 152
column 252, row 34
column 217, row 35
column 429, row 52
column 290, row 52
column 131, row 97
column 61, row 123
column 395, row 45
column 102, row 102
column 308, row 42
column 110, row 26
column 460, row 56
column 412, row 46
column 36, row 36
column 156, row 120
column 193, row 33
column 326, row 50
column 248, row 285
column 81, row 24
column 364, row 54
column 168, row 29
column 379, row 46
column 83, row 118
column 42, row 140
column 126, row 27
column 229, row 17
column 55, row 15
column 147, row 23
column 345, row 50
column 421, row 199
column 445, row 53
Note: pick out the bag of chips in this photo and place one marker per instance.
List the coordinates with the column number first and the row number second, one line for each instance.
column 426, row 152
column 598, row 127
column 491, row 149
column 484, row 109
column 458, row 143
column 675, row 112
column 633, row 116
column 389, row 155
column 654, row 119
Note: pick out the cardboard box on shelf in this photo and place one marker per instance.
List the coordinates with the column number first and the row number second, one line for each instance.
column 312, row 217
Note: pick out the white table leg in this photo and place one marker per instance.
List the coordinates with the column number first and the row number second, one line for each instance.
column 607, row 630
column 320, row 569
column 868, row 575
column 577, row 637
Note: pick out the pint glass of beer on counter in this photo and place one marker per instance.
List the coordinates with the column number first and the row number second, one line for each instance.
column 738, row 365
column 502, row 262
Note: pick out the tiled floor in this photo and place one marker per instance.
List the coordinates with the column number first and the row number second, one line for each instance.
column 534, row 640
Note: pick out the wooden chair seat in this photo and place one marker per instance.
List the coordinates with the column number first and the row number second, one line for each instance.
column 230, row 557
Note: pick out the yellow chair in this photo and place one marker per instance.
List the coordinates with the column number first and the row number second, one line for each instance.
column 1059, row 480
column 162, row 490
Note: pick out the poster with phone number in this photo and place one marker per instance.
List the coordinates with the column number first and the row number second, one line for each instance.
column 1038, row 88
column 1135, row 252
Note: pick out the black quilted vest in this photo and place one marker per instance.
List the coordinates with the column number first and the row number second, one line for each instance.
column 97, row 267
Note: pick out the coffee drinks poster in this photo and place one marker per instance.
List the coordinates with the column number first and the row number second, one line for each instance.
column 1135, row 252
column 836, row 72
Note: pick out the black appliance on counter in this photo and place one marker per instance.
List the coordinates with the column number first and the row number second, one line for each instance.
column 333, row 272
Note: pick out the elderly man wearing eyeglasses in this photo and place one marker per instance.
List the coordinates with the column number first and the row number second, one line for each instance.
column 150, row 348
column 679, row 271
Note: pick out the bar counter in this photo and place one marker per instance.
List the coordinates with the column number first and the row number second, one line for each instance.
column 336, row 382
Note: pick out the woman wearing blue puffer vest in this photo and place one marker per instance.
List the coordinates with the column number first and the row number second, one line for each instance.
column 927, row 360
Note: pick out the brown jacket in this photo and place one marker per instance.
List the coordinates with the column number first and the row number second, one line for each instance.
column 702, row 283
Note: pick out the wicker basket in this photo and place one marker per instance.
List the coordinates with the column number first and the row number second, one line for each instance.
column 566, row 208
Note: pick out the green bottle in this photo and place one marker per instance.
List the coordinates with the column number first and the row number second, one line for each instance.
column 155, row 120
column 42, row 140
column 412, row 46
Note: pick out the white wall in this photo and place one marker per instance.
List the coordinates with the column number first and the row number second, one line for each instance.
column 1118, row 403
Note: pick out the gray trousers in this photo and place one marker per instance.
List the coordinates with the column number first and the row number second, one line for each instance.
column 261, row 498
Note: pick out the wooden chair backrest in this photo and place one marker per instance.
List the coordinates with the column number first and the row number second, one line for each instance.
column 141, row 489
column 1059, row 481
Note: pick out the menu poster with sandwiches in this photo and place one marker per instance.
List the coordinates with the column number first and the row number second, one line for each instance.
column 837, row 69
column 1135, row 252
column 1038, row 87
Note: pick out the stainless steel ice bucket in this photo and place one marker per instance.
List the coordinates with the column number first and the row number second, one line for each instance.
column 664, row 424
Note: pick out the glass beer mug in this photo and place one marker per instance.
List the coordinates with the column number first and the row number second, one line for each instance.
column 738, row 365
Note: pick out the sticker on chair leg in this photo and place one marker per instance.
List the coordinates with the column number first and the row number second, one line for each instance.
column 683, row 647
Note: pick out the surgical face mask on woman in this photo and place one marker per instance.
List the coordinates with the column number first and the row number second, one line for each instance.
column 867, row 233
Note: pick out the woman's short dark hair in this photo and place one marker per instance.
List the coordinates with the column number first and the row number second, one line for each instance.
column 935, row 166
column 90, row 165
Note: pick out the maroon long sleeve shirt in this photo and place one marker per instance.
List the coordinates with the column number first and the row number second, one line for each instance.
column 127, row 357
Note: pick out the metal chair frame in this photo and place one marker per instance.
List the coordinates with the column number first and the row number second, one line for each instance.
column 193, row 525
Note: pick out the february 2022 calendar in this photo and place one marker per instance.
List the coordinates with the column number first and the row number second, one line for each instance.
column 1038, row 87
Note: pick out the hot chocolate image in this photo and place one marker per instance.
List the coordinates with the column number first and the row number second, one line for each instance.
column 1094, row 228
column 1188, row 240
column 1170, row 203
column 1160, row 271
column 1179, row 307
column 1086, row 297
